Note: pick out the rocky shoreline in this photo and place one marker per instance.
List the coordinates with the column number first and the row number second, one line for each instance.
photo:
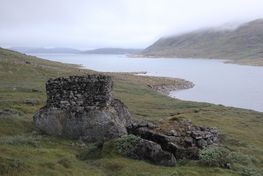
column 165, row 89
column 163, row 85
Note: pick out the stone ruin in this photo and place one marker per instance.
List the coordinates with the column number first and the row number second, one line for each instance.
column 82, row 107
column 77, row 93
column 177, row 136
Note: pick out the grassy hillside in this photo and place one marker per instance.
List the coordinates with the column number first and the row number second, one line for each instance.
column 45, row 50
column 24, row 152
column 243, row 45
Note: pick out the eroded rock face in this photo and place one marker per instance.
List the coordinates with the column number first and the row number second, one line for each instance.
column 82, row 107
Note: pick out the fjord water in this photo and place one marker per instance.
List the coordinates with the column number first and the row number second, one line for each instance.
column 215, row 82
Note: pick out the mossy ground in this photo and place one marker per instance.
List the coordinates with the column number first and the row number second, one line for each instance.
column 23, row 152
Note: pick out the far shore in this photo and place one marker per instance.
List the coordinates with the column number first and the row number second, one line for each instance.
column 250, row 62
column 163, row 85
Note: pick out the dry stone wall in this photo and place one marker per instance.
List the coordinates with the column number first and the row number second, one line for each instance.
column 79, row 92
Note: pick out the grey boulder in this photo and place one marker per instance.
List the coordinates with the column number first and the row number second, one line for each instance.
column 152, row 152
column 94, row 125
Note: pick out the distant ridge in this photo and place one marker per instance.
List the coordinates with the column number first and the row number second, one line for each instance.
column 244, row 42
column 45, row 50
column 113, row 51
column 28, row 50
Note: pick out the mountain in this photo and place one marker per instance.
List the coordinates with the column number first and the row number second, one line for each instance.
column 45, row 50
column 113, row 51
column 243, row 42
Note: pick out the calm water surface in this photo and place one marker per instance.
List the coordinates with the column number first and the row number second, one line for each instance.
column 215, row 82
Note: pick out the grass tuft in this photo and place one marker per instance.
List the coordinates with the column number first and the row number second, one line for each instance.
column 21, row 140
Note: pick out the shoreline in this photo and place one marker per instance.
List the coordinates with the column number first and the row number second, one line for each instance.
column 162, row 85
column 166, row 89
column 245, row 62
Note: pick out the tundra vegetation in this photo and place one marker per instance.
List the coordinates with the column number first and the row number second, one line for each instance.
column 25, row 152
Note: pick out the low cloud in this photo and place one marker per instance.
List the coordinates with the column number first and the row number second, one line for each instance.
column 116, row 23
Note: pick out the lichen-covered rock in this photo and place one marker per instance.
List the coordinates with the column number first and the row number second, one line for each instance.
column 122, row 112
column 179, row 137
column 153, row 152
column 93, row 125
column 138, row 148
column 82, row 107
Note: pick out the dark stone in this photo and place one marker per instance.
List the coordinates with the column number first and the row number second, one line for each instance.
column 179, row 137
column 152, row 152
column 227, row 165
column 189, row 141
column 35, row 90
column 149, row 134
column 201, row 143
column 181, row 152
column 196, row 134
column 7, row 112
column 209, row 141
column 173, row 133
column 90, row 92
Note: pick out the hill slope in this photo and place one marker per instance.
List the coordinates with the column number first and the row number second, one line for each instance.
column 24, row 152
column 45, row 50
column 113, row 51
column 242, row 43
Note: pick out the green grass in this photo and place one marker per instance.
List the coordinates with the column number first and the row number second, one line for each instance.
column 22, row 152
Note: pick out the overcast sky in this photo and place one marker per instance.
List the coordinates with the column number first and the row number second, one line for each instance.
column 88, row 24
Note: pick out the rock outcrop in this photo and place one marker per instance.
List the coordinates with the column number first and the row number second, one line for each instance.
column 179, row 137
column 152, row 152
column 82, row 107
